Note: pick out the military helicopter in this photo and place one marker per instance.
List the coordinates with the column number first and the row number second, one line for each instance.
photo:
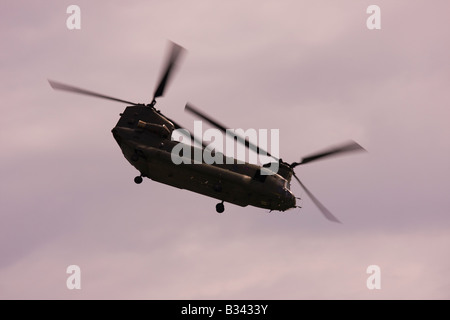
column 144, row 135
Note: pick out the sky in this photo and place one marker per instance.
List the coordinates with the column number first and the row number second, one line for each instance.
column 311, row 69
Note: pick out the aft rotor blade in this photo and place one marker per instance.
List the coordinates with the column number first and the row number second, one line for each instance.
column 64, row 87
column 347, row 147
column 319, row 205
column 223, row 128
column 175, row 51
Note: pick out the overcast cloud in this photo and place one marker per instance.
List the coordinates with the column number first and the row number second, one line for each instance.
column 309, row 68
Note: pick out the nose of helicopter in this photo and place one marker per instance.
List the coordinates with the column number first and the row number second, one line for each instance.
column 116, row 136
column 121, row 134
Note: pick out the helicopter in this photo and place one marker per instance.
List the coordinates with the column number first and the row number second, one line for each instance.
column 144, row 136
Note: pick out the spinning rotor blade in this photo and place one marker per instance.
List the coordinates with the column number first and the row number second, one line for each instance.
column 193, row 138
column 64, row 87
column 175, row 51
column 347, row 147
column 223, row 128
column 319, row 205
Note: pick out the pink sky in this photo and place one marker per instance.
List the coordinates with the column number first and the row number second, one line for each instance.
column 309, row 68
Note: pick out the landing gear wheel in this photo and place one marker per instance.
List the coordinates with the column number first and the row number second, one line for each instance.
column 220, row 207
column 138, row 180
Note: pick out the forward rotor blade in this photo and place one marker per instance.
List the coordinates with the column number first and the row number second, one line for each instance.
column 175, row 51
column 319, row 205
column 223, row 128
column 64, row 87
column 347, row 147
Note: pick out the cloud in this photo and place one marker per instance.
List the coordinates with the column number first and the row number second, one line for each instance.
column 310, row 69
column 238, row 265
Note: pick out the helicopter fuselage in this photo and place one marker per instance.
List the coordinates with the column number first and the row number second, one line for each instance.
column 144, row 136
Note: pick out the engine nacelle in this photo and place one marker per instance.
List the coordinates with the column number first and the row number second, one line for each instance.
column 159, row 129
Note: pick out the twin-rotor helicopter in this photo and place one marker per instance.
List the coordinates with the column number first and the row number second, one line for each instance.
column 144, row 135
